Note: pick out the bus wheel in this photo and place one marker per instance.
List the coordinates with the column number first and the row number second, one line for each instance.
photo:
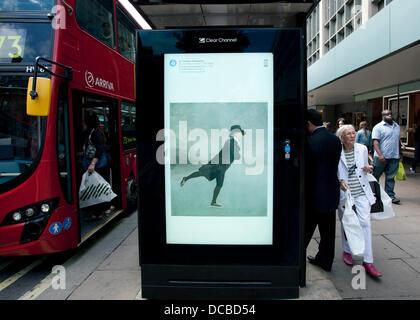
column 131, row 193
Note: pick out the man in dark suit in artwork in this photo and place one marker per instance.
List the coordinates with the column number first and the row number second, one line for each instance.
column 322, row 188
column 217, row 167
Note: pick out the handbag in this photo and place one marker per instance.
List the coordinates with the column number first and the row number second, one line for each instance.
column 353, row 232
column 382, row 209
column 378, row 206
column 401, row 173
column 89, row 150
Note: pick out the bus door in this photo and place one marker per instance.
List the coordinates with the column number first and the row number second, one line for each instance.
column 105, row 111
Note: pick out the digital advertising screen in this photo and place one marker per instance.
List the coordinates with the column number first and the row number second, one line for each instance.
column 218, row 150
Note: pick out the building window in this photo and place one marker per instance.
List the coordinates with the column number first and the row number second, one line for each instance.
column 128, row 125
column 63, row 144
column 378, row 5
column 313, row 36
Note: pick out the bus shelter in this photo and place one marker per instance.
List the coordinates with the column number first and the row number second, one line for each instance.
column 220, row 133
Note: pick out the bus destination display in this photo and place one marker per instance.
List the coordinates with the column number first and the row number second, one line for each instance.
column 12, row 43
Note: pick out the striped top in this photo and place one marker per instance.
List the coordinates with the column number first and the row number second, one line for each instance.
column 353, row 182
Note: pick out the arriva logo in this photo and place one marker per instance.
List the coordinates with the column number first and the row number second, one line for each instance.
column 91, row 81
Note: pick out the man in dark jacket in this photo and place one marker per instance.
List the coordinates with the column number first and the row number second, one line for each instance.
column 323, row 190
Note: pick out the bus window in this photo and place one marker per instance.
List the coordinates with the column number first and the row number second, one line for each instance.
column 126, row 35
column 21, row 135
column 63, row 144
column 19, row 5
column 22, row 42
column 128, row 125
column 96, row 18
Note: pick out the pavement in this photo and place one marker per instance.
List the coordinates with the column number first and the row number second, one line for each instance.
column 108, row 267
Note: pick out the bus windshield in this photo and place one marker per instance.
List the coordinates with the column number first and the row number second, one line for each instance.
column 20, row 135
column 23, row 42
column 25, row 5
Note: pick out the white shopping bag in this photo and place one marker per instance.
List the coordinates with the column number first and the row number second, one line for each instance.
column 351, row 225
column 386, row 211
column 94, row 189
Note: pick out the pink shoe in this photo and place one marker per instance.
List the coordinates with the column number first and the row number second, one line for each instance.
column 371, row 270
column 348, row 259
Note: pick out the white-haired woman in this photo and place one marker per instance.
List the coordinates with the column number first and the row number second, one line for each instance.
column 352, row 172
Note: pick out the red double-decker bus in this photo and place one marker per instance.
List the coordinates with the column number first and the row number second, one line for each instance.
column 87, row 51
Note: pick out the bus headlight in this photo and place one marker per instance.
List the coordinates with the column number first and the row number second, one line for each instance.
column 17, row 216
column 29, row 212
column 45, row 207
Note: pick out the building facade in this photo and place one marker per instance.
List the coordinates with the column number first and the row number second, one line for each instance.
column 363, row 57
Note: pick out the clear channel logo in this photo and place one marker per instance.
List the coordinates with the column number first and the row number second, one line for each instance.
column 218, row 40
column 172, row 63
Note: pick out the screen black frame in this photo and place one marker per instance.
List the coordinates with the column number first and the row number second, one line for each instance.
column 286, row 45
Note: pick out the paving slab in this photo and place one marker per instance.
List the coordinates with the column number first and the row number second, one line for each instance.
column 322, row 289
column 414, row 263
column 410, row 243
column 87, row 259
column 399, row 280
column 109, row 285
column 132, row 239
column 382, row 249
column 396, row 225
column 318, row 284
column 124, row 258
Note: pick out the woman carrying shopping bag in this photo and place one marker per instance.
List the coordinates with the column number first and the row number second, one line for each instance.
column 352, row 173
column 95, row 159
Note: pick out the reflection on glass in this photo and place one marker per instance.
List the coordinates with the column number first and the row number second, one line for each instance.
column 20, row 134
column 96, row 18
column 126, row 36
column 23, row 42
column 399, row 108
column 128, row 125
column 25, row 5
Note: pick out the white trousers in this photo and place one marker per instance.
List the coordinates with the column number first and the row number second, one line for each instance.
column 363, row 213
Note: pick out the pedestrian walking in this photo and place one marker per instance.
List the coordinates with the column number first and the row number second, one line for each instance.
column 341, row 122
column 364, row 135
column 352, row 172
column 323, row 189
column 386, row 143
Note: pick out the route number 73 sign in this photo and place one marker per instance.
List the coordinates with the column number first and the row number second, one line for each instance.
column 12, row 43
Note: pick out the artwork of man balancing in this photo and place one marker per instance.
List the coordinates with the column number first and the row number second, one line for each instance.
column 217, row 167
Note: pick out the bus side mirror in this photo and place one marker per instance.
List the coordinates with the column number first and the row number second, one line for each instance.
column 38, row 104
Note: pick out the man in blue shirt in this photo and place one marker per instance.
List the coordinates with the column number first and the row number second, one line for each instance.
column 386, row 142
